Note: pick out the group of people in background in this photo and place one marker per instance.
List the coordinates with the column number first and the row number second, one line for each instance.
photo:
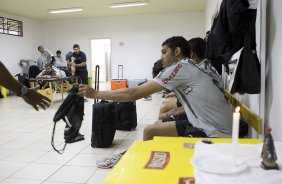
column 56, row 66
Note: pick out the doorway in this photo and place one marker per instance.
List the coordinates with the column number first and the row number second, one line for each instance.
column 101, row 55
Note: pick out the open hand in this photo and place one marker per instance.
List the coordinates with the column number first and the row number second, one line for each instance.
column 36, row 99
column 85, row 90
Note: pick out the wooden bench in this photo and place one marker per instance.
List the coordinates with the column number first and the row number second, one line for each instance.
column 247, row 114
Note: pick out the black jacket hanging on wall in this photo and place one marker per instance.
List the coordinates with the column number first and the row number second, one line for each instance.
column 226, row 33
column 247, row 74
column 233, row 29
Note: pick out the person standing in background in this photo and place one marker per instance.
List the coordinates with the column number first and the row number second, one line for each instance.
column 47, row 54
column 41, row 62
column 78, row 61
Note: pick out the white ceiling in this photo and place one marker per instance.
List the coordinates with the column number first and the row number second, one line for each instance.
column 37, row 9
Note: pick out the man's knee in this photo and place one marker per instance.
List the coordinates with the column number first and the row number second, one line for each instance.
column 150, row 131
column 167, row 107
column 147, row 130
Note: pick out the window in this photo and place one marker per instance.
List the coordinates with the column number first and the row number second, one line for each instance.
column 11, row 27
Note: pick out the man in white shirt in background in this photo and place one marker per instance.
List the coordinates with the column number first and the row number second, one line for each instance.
column 41, row 62
column 47, row 54
column 59, row 60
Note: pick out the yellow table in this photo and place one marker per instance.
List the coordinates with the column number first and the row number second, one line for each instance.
column 3, row 91
column 53, row 85
column 131, row 168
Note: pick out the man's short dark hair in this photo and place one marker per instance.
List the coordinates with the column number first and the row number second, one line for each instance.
column 48, row 64
column 58, row 52
column 198, row 46
column 40, row 47
column 75, row 46
column 178, row 41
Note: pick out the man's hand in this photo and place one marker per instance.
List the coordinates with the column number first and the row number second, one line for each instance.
column 170, row 95
column 162, row 116
column 35, row 99
column 73, row 64
column 87, row 91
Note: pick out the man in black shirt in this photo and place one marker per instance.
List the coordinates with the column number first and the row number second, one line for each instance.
column 79, row 63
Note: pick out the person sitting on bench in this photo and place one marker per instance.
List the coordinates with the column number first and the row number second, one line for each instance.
column 198, row 90
column 172, row 108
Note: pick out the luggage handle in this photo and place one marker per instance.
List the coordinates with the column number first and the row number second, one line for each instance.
column 96, row 84
column 120, row 67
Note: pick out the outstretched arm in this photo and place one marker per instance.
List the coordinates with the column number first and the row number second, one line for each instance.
column 122, row 95
column 31, row 97
column 7, row 80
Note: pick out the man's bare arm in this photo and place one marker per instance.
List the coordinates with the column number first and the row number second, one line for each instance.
column 122, row 95
column 7, row 80
column 31, row 97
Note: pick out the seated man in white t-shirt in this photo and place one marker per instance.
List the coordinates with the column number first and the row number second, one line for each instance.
column 198, row 90
column 173, row 109
column 59, row 60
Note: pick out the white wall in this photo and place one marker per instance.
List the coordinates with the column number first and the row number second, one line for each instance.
column 136, row 40
column 212, row 6
column 14, row 48
column 274, row 65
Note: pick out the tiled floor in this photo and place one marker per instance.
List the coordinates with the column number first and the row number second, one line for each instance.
column 26, row 155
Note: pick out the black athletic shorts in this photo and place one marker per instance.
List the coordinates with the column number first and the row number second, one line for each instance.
column 185, row 129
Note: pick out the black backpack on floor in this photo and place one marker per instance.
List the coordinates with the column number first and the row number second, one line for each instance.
column 71, row 112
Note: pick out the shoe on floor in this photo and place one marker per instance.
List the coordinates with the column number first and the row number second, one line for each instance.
column 109, row 162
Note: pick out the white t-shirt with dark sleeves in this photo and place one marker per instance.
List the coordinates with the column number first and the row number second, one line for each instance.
column 201, row 94
column 48, row 55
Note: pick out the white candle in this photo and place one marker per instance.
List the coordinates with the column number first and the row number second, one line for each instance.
column 235, row 132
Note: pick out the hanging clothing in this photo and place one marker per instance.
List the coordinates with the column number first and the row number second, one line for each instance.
column 232, row 29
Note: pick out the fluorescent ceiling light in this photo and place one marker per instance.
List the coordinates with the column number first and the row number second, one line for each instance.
column 129, row 4
column 65, row 10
